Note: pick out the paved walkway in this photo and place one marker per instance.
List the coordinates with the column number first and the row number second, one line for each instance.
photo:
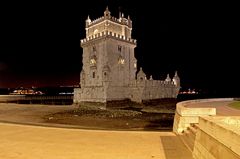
column 222, row 107
column 28, row 142
column 38, row 142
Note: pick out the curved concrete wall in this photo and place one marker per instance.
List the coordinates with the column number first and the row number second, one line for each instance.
column 217, row 137
column 184, row 116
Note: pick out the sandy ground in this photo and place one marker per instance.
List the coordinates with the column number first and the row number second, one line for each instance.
column 28, row 142
column 42, row 142
column 222, row 108
column 29, row 114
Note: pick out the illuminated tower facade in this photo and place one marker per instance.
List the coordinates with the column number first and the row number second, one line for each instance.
column 109, row 66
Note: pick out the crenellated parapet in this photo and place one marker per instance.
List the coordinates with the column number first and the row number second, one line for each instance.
column 142, row 80
column 121, row 21
column 108, row 34
column 95, row 21
column 153, row 83
column 121, row 25
column 159, row 83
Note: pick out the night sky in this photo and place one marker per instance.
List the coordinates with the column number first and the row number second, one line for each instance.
column 40, row 42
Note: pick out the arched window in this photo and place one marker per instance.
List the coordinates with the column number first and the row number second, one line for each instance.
column 95, row 31
column 121, row 60
column 93, row 75
column 93, row 60
column 119, row 48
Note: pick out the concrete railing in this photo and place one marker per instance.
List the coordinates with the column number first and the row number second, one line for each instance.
column 185, row 116
column 218, row 137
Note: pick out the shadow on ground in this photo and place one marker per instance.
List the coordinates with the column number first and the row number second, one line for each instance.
column 174, row 148
column 159, row 124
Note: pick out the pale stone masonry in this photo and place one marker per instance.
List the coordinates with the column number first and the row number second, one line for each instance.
column 109, row 66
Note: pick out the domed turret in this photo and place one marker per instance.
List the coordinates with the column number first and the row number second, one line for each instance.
column 176, row 80
column 107, row 13
column 141, row 75
column 88, row 21
column 168, row 79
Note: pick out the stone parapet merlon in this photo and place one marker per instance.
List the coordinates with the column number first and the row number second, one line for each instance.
column 108, row 34
column 153, row 83
column 122, row 21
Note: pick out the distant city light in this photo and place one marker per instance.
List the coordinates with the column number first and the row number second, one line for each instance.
column 189, row 91
column 25, row 91
column 64, row 93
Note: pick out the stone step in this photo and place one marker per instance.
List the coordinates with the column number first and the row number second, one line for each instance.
column 193, row 129
column 188, row 136
column 191, row 136
column 196, row 126
column 187, row 142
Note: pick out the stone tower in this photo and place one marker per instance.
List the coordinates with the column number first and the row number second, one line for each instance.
column 109, row 66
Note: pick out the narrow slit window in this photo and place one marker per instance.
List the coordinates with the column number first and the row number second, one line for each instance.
column 119, row 48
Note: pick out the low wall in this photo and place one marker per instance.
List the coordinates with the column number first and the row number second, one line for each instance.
column 11, row 98
column 37, row 99
column 184, row 116
column 218, row 138
column 238, row 99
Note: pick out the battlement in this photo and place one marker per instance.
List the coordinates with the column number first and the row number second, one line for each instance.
column 159, row 83
column 95, row 21
column 121, row 25
column 122, row 21
column 108, row 34
column 154, row 83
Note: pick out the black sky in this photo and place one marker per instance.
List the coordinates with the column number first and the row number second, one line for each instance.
column 40, row 41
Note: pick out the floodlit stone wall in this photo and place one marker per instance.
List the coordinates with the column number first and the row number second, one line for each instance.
column 185, row 116
column 89, row 94
column 6, row 98
column 218, row 138
column 152, row 89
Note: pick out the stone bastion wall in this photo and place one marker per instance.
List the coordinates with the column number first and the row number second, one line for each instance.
column 185, row 116
column 217, row 137
column 10, row 98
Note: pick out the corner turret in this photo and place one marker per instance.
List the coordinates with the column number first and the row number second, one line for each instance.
column 129, row 22
column 168, row 79
column 107, row 13
column 176, row 80
column 88, row 21
column 141, row 75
